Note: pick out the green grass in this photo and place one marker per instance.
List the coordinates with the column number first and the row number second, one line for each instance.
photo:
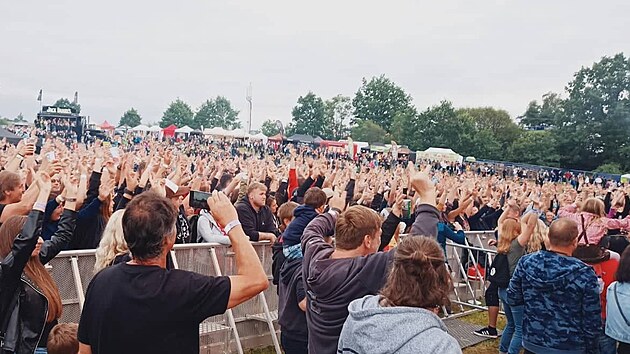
column 479, row 318
column 489, row 346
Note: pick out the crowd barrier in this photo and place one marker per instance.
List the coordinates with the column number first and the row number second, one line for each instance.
column 254, row 322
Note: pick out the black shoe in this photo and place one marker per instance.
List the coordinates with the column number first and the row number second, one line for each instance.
column 487, row 332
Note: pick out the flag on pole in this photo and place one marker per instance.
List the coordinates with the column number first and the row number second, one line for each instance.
column 39, row 97
column 76, row 98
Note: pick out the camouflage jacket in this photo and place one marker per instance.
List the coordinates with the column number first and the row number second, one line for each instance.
column 562, row 310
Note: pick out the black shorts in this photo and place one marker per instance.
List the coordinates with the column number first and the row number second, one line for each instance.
column 492, row 295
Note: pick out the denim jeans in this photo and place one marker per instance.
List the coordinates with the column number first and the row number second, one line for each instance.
column 512, row 337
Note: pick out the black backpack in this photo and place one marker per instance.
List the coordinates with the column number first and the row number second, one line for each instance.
column 499, row 272
column 192, row 222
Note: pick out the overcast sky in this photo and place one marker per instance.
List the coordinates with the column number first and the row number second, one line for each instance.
column 144, row 54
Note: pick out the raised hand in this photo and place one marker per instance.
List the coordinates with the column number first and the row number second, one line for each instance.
column 222, row 209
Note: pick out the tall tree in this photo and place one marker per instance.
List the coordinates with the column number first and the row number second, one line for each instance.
column 338, row 115
column 269, row 127
column 545, row 116
column 368, row 131
column 535, row 147
column 379, row 100
column 217, row 112
column 309, row 116
column 178, row 113
column 131, row 118
column 595, row 127
column 496, row 122
column 65, row 103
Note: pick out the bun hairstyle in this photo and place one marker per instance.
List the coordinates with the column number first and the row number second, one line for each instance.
column 418, row 277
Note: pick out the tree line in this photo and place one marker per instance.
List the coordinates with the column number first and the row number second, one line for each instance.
column 586, row 127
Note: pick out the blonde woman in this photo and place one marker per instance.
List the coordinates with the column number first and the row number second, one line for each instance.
column 113, row 247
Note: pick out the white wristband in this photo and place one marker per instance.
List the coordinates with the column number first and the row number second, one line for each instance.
column 232, row 224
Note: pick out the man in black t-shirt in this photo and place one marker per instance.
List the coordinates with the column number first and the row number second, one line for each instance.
column 141, row 307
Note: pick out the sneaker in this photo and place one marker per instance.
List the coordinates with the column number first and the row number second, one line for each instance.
column 487, row 332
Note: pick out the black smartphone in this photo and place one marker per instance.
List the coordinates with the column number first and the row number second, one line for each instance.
column 405, row 191
column 199, row 200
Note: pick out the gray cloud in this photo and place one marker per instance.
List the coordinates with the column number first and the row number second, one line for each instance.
column 144, row 54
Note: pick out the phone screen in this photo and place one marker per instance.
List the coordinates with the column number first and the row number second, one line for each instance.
column 199, row 199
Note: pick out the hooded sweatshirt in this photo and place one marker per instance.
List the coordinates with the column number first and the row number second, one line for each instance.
column 560, row 294
column 303, row 214
column 291, row 318
column 372, row 328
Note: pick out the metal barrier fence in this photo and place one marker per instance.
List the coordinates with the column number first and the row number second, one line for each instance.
column 253, row 322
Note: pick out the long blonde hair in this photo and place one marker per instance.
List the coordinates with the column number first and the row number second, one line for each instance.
column 508, row 232
column 539, row 237
column 34, row 268
column 112, row 243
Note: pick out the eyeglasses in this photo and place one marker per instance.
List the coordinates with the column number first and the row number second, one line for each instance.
column 55, row 181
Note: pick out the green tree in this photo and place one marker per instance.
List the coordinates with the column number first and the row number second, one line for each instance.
column 269, row 127
column 338, row 115
column 595, row 126
column 545, row 116
column 65, row 103
column 536, row 147
column 178, row 113
column 496, row 122
column 613, row 168
column 403, row 128
column 217, row 112
column 309, row 116
column 368, row 131
column 379, row 100
column 131, row 118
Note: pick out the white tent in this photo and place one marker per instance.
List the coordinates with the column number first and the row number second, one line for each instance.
column 184, row 130
column 237, row 133
column 217, row 131
column 439, row 154
column 259, row 136
column 140, row 128
column 154, row 129
column 625, row 178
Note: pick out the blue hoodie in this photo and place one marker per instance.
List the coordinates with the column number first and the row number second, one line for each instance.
column 303, row 214
column 562, row 310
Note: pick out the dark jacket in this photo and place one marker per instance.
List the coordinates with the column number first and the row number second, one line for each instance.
column 291, row 318
column 331, row 284
column 303, row 214
column 255, row 222
column 27, row 329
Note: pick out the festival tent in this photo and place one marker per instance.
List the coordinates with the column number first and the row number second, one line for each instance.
column 107, row 126
column 318, row 140
column 301, row 138
column 625, row 178
column 140, row 128
column 169, row 131
column 259, row 136
column 11, row 138
column 439, row 154
column 277, row 138
column 154, row 129
column 184, row 130
column 237, row 133
column 216, row 131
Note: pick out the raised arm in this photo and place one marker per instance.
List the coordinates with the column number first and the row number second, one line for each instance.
column 427, row 216
column 250, row 278
column 530, row 220
column 13, row 264
column 62, row 237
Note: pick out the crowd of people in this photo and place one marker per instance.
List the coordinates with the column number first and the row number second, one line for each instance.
column 347, row 281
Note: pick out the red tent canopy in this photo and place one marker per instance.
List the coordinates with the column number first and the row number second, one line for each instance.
column 277, row 137
column 107, row 126
column 169, row 131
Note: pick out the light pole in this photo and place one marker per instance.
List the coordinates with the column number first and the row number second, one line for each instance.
column 249, row 99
